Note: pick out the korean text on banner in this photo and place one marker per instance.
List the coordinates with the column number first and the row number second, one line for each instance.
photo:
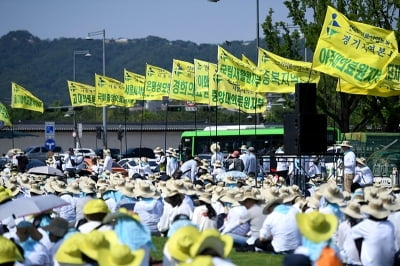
column 390, row 86
column 158, row 82
column 281, row 74
column 355, row 52
column 4, row 116
column 109, row 91
column 22, row 98
column 81, row 94
column 182, row 81
column 237, row 71
column 229, row 95
column 205, row 73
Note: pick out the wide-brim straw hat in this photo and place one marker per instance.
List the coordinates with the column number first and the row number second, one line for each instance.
column 36, row 188
column 228, row 179
column 170, row 150
column 74, row 188
column 158, row 150
column 316, row 226
column 205, row 197
column 59, row 186
column 361, row 161
column 129, row 190
column 217, row 163
column 390, row 202
column 215, row 148
column 270, row 202
column 243, row 147
column 88, row 188
column 230, row 196
column 332, row 193
column 146, row 190
column 249, row 194
column 375, row 208
column 213, row 240
column 353, row 209
column 177, row 185
column 345, row 143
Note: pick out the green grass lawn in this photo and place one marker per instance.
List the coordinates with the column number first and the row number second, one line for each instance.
column 239, row 258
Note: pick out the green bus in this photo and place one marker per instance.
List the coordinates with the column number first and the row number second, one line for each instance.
column 264, row 139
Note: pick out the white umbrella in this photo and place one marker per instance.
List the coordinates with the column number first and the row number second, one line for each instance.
column 46, row 170
column 27, row 206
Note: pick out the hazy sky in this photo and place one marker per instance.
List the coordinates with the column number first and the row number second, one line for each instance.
column 199, row 21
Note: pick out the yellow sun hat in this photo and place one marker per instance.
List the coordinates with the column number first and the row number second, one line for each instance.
column 316, row 226
column 119, row 254
column 212, row 239
column 199, row 261
column 9, row 251
column 92, row 243
column 69, row 252
column 95, row 206
column 179, row 244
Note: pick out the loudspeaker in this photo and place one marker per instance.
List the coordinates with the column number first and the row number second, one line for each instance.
column 306, row 98
column 305, row 134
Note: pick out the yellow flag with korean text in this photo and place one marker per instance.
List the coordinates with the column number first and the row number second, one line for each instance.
column 109, row 91
column 248, row 61
column 390, row 86
column 158, row 82
column 81, row 94
column 182, row 81
column 204, row 80
column 22, row 98
column 134, row 88
column 4, row 116
column 237, row 71
column 354, row 52
column 229, row 95
column 281, row 74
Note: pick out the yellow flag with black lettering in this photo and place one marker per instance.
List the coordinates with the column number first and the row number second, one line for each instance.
column 4, row 116
column 81, row 94
column 22, row 98
column 182, row 81
column 158, row 81
column 237, row 71
column 109, row 91
column 355, row 52
column 281, row 74
column 204, row 80
column 390, row 86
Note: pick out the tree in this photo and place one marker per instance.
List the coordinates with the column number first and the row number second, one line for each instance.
column 348, row 112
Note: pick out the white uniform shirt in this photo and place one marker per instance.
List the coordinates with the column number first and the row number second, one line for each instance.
column 281, row 226
column 255, row 217
column 169, row 214
column 349, row 162
column 107, row 163
column 282, row 164
column 364, row 176
column 232, row 223
column 394, row 218
column 347, row 246
column 149, row 211
column 201, row 219
column 378, row 244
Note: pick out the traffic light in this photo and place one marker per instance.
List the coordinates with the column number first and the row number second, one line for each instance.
column 98, row 132
column 120, row 134
column 174, row 108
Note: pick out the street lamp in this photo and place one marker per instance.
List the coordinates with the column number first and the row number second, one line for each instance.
column 89, row 37
column 78, row 52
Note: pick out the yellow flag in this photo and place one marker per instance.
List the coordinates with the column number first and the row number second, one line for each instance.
column 109, row 91
column 237, row 71
column 182, row 81
column 81, row 94
column 390, row 86
column 281, row 74
column 355, row 52
column 21, row 98
column 205, row 81
column 134, row 88
column 4, row 116
column 158, row 81
column 247, row 60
